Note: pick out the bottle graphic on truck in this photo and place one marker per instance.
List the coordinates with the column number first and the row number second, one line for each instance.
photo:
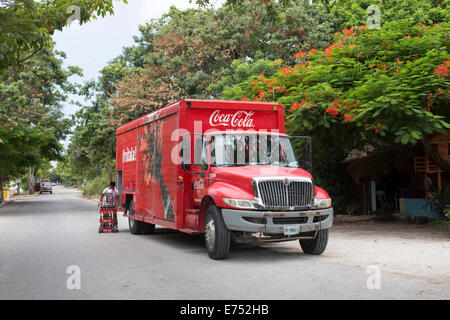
column 224, row 169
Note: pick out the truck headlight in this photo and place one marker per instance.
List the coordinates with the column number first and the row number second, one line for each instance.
column 239, row 203
column 322, row 203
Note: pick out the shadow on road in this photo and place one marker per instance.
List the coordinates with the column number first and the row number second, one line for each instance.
column 244, row 253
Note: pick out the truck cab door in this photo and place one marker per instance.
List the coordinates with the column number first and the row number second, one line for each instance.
column 200, row 169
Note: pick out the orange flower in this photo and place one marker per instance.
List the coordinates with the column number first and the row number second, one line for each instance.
column 347, row 118
column 333, row 111
column 300, row 55
column 348, row 32
column 442, row 70
column 286, row 71
column 378, row 128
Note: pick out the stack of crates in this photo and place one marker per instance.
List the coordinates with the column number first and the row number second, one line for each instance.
column 108, row 216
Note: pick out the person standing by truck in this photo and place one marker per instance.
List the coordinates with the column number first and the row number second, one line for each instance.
column 110, row 199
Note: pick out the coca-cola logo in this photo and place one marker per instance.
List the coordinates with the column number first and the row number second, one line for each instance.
column 240, row 119
column 129, row 155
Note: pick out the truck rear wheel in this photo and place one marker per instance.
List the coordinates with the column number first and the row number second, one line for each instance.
column 217, row 236
column 315, row 246
column 135, row 225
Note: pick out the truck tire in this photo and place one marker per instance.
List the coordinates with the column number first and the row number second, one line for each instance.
column 148, row 228
column 315, row 246
column 217, row 236
column 136, row 226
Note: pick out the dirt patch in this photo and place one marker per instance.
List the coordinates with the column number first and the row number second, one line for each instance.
column 420, row 252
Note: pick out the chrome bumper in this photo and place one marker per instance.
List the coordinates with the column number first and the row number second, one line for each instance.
column 276, row 221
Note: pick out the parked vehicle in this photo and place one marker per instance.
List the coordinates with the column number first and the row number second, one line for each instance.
column 239, row 179
column 46, row 186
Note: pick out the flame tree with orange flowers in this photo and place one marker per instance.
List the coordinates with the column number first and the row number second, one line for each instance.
column 379, row 87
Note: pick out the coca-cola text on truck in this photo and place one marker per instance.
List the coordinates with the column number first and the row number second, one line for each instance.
column 224, row 169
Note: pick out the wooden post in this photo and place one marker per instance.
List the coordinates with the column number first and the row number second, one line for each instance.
column 439, row 181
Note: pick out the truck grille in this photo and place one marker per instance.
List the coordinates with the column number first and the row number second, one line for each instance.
column 276, row 193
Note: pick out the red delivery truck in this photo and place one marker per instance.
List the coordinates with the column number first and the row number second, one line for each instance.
column 224, row 169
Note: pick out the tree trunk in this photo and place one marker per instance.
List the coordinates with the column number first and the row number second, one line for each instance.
column 433, row 155
column 30, row 181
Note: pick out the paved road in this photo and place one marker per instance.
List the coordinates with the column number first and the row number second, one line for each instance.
column 40, row 237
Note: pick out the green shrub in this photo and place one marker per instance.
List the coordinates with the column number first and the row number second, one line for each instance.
column 442, row 224
column 385, row 213
column 95, row 187
column 442, row 202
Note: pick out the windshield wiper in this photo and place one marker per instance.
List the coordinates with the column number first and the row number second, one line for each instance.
column 233, row 165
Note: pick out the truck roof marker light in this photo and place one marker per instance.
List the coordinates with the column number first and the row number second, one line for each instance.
column 275, row 108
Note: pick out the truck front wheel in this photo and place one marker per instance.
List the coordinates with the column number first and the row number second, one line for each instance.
column 217, row 236
column 315, row 246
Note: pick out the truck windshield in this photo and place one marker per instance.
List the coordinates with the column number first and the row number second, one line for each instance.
column 232, row 150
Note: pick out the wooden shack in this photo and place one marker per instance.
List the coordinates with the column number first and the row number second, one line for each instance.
column 441, row 144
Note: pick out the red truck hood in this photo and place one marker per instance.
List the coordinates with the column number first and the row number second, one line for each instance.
column 242, row 176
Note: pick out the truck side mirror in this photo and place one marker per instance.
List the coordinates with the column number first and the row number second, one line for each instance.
column 307, row 159
column 185, row 166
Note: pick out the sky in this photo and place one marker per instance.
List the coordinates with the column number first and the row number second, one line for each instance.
column 93, row 44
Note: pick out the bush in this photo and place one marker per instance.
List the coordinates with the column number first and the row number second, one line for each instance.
column 385, row 213
column 95, row 187
column 442, row 203
column 442, row 224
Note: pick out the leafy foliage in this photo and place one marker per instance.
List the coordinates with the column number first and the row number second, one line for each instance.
column 33, row 83
column 370, row 87
column 194, row 53
column 26, row 26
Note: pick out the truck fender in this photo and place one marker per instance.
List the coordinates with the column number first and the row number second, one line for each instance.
column 319, row 193
column 219, row 190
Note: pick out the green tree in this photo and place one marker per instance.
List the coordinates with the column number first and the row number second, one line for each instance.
column 186, row 52
column 33, row 83
column 26, row 26
column 31, row 120
column 370, row 87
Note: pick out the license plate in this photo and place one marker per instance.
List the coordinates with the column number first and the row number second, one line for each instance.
column 291, row 230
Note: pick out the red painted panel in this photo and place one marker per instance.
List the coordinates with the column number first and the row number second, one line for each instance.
column 145, row 187
column 129, row 156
